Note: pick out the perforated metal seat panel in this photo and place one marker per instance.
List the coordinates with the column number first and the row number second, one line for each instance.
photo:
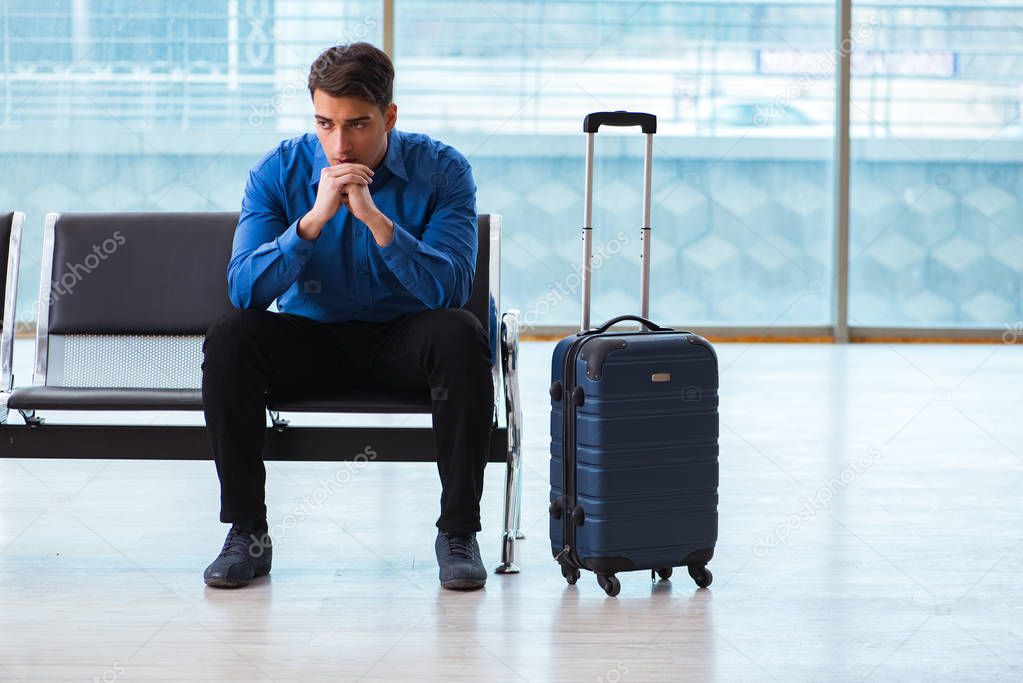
column 136, row 361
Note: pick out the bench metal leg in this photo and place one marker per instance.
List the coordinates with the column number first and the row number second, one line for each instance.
column 8, row 387
column 31, row 418
column 518, row 507
column 498, row 374
column 513, row 467
column 518, row 459
column 278, row 422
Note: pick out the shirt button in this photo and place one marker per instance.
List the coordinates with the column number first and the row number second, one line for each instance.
column 362, row 271
column 358, row 233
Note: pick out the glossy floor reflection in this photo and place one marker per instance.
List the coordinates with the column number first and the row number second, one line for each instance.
column 871, row 528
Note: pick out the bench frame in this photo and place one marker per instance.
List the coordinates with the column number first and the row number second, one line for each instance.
column 37, row 438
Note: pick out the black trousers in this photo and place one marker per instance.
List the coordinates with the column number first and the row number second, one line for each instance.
column 248, row 353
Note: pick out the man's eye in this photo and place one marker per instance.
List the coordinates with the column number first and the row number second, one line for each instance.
column 358, row 126
column 324, row 124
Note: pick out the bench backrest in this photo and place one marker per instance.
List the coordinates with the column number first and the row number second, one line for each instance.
column 139, row 290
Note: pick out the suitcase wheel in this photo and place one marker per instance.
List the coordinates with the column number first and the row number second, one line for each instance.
column 664, row 573
column 610, row 584
column 571, row 574
column 701, row 575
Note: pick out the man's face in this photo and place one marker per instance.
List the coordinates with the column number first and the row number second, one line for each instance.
column 352, row 130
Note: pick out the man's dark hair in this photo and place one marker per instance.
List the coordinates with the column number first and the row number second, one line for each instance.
column 354, row 70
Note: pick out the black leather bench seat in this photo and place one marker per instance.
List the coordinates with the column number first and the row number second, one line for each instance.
column 347, row 401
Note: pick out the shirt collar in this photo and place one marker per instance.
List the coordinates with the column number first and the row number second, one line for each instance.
column 394, row 160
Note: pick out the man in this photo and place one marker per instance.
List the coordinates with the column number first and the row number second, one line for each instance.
column 366, row 237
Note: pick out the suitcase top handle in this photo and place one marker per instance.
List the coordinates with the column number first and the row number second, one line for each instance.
column 651, row 326
column 593, row 122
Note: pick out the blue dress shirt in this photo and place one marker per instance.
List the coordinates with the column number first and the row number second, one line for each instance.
column 427, row 190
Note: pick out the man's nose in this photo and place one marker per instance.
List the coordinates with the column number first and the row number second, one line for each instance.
column 342, row 145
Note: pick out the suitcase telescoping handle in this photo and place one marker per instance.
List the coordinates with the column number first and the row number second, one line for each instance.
column 591, row 124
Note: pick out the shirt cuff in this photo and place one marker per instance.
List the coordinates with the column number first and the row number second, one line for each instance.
column 291, row 243
column 402, row 246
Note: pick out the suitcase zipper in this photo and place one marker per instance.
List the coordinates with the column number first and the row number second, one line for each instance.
column 557, row 558
column 568, row 469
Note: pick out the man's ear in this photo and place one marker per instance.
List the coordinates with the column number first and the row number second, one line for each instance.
column 391, row 115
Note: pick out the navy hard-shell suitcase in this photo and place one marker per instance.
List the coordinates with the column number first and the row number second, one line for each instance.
column 634, row 431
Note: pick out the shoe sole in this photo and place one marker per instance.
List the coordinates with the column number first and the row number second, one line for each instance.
column 463, row 584
column 228, row 583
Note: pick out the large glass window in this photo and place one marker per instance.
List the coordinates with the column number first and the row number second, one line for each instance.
column 742, row 219
column 152, row 105
column 936, row 219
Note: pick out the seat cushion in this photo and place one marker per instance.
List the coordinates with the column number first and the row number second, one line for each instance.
column 75, row 398
column 353, row 401
column 349, row 401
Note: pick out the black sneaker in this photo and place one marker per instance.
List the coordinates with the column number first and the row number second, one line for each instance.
column 459, row 558
column 246, row 555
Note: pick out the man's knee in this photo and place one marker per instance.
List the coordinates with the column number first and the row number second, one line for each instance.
column 233, row 330
column 457, row 334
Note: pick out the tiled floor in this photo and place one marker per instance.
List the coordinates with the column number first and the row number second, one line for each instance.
column 871, row 528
